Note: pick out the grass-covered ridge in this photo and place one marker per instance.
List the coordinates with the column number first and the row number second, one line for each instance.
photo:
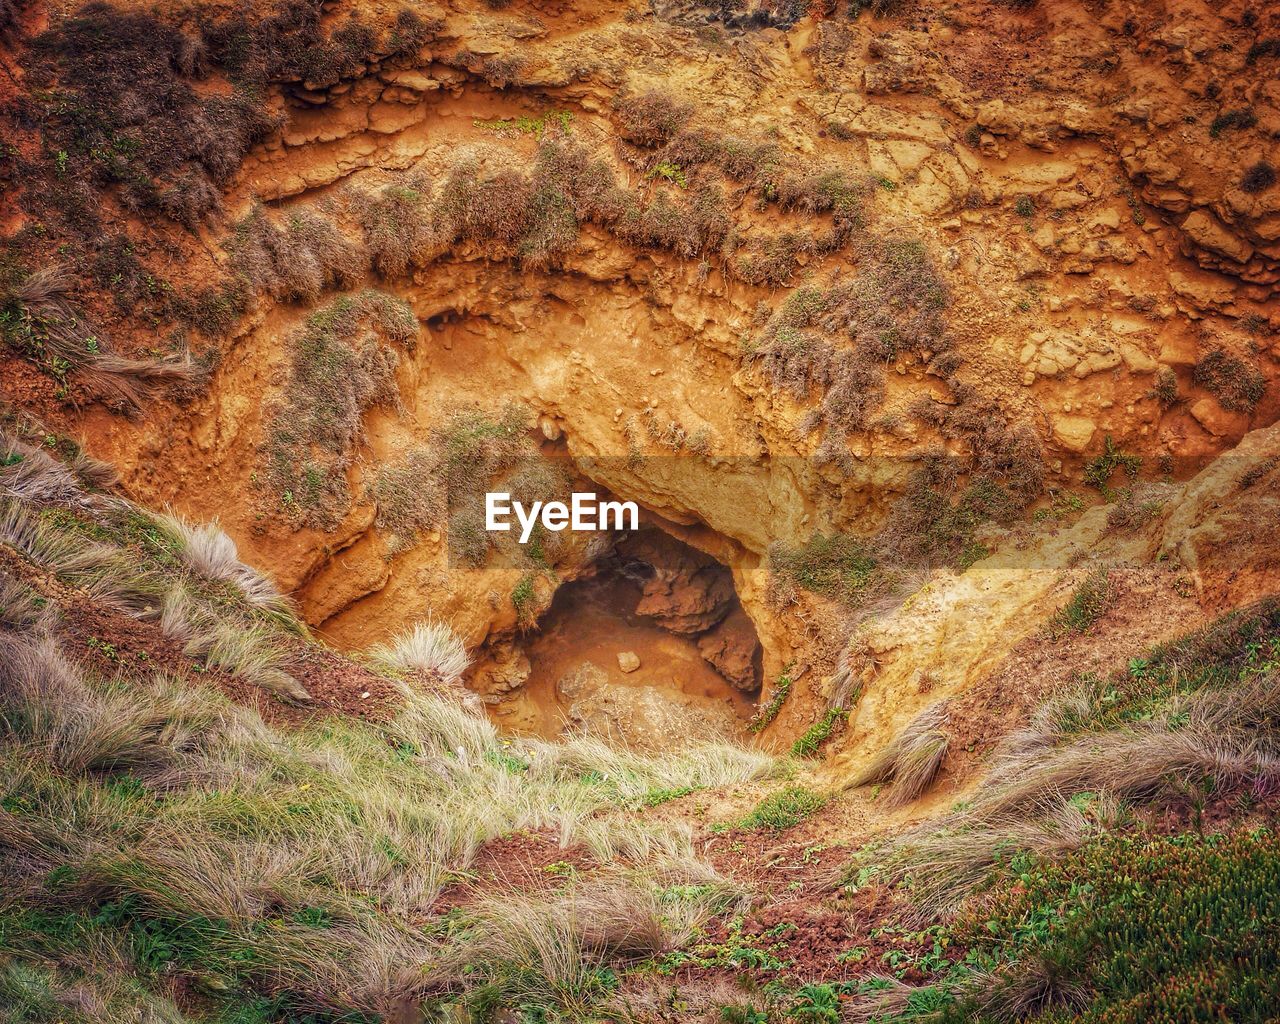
column 170, row 855
column 297, row 869
column 1118, row 863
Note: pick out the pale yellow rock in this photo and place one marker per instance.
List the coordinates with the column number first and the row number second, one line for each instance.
column 415, row 80
column 1073, row 432
column 1217, row 420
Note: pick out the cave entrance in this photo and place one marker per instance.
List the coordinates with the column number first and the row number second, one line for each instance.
column 650, row 646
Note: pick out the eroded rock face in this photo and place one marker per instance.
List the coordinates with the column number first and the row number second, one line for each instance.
column 506, row 670
column 1093, row 231
column 733, row 648
column 686, row 591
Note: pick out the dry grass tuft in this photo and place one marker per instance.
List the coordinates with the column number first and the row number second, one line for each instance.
column 651, row 118
column 397, row 225
column 1236, row 382
column 912, row 760
column 552, row 952
column 31, row 475
column 38, row 319
column 298, row 261
column 945, row 860
column 208, row 551
column 430, row 648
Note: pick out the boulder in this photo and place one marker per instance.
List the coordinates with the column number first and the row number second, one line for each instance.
column 586, row 679
column 733, row 649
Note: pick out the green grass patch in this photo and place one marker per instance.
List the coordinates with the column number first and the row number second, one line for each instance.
column 784, row 809
column 1098, row 471
column 818, row 733
column 769, row 711
column 836, row 566
column 1089, row 601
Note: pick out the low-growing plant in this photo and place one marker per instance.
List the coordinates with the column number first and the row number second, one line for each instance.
column 817, row 734
column 1099, row 470
column 1236, row 383
column 784, row 809
column 767, row 712
column 1258, row 178
column 1089, row 602
column 1232, row 120
column 836, row 566
column 1165, row 387
column 430, row 649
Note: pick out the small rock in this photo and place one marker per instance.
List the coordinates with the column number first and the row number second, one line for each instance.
column 628, row 661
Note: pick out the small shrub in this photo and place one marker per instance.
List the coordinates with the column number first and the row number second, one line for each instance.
column 651, row 118
column 298, row 261
column 524, row 600
column 397, row 225
column 474, row 446
column 1129, row 514
column 1232, row 120
column 410, row 497
column 773, row 259
column 1258, row 178
column 1238, row 385
column 1089, row 601
column 784, row 809
column 670, row 172
column 827, row 191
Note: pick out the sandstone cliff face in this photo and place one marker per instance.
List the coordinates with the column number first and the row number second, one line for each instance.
column 1079, row 198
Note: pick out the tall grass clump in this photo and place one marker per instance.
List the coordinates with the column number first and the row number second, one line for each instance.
column 912, row 760
column 39, row 321
column 1089, row 602
column 208, row 551
column 430, row 648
